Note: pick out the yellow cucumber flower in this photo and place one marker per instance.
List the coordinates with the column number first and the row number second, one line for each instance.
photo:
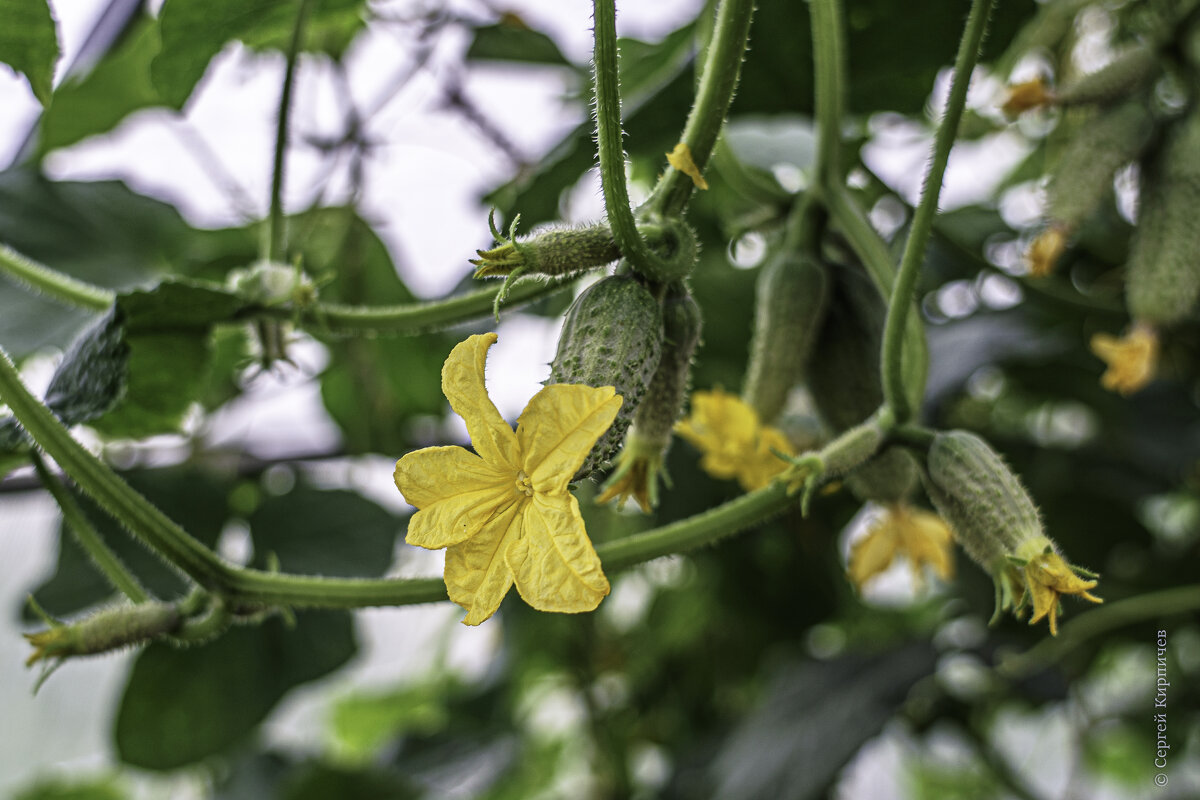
column 1045, row 251
column 920, row 535
column 1132, row 359
column 1022, row 97
column 639, row 466
column 505, row 515
column 734, row 444
column 1047, row 577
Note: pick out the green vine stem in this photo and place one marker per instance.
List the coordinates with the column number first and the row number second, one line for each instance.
column 276, row 230
column 829, row 87
column 52, row 283
column 1109, row 617
column 110, row 492
column 610, row 146
column 250, row 586
column 718, row 81
column 922, row 224
column 106, row 561
column 418, row 317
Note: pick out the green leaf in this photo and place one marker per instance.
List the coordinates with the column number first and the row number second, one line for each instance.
column 29, row 42
column 320, row 782
column 97, row 789
column 100, row 232
column 332, row 532
column 514, row 42
column 193, row 31
column 183, row 705
column 193, row 497
column 361, row 725
column 98, row 101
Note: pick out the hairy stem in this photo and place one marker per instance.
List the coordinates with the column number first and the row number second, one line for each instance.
column 922, row 224
column 829, row 68
column 610, row 145
column 52, row 283
column 95, row 477
column 108, row 562
column 276, row 232
column 718, row 81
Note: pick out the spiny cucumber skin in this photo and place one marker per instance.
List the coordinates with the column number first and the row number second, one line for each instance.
column 980, row 497
column 564, row 251
column 612, row 336
column 1131, row 69
column 843, row 378
column 1162, row 278
column 661, row 407
column 790, row 298
column 1084, row 173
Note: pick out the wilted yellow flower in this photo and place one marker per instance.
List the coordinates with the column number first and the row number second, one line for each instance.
column 681, row 159
column 505, row 515
column 1022, row 97
column 1132, row 359
column 734, row 443
column 919, row 535
column 639, row 466
column 1045, row 251
column 1047, row 577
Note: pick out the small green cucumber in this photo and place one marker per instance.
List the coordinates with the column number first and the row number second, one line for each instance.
column 660, row 408
column 1130, row 70
column 612, row 336
column 790, row 298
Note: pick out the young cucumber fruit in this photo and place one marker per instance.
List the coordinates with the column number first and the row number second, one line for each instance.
column 612, row 336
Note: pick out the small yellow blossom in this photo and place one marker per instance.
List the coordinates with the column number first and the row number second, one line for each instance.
column 1022, row 97
column 1045, row 251
column 1132, row 359
column 681, row 159
column 1047, row 577
column 734, row 443
column 639, row 466
column 920, row 535
column 505, row 516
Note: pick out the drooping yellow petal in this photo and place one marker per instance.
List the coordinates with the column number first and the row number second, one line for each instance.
column 553, row 563
column 681, row 159
column 1132, row 359
column 724, row 428
column 1024, row 96
column 463, row 385
column 762, row 465
column 477, row 575
column 1045, row 251
column 928, row 542
column 1047, row 577
column 873, row 554
column 557, row 429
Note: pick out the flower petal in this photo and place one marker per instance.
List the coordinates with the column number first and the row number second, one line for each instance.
column 557, row 429
column 456, row 491
column 477, row 575
column 463, row 385
column 553, row 563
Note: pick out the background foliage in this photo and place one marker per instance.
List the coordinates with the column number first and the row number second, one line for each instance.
column 748, row 670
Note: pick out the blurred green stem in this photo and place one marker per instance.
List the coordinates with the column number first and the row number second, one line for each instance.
column 718, row 81
column 918, row 236
column 53, row 283
column 829, row 87
column 276, row 226
column 106, row 561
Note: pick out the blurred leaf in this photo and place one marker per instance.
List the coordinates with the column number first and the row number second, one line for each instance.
column 362, row 724
column 510, row 42
column 812, row 719
column 190, row 496
column 97, row 102
column 321, row 782
column 101, row 789
column 183, row 705
column 193, row 31
column 29, row 43
column 318, row 532
column 100, row 232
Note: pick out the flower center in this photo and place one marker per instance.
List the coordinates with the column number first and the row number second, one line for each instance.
column 524, row 485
